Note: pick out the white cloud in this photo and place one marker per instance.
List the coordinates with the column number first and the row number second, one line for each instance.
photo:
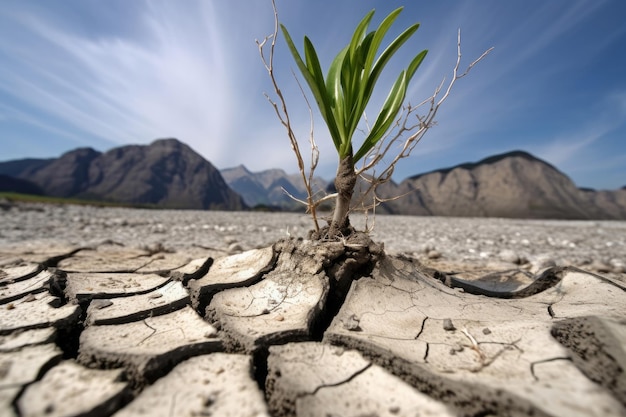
column 567, row 148
column 177, row 80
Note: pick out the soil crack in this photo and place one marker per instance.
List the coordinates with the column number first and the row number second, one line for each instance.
column 534, row 364
column 339, row 383
column 357, row 260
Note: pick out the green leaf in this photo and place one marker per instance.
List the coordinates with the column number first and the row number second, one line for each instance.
column 304, row 69
column 379, row 34
column 336, row 98
column 352, row 76
column 319, row 93
column 386, row 116
column 359, row 35
column 384, row 58
column 414, row 65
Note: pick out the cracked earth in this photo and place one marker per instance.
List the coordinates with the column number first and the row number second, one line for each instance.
column 301, row 328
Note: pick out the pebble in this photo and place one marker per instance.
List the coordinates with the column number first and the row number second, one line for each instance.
column 508, row 255
column 542, row 262
column 234, row 248
column 434, row 254
column 600, row 266
column 448, row 325
column 618, row 265
column 352, row 323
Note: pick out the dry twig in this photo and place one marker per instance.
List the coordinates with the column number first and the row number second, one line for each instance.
column 283, row 115
column 405, row 125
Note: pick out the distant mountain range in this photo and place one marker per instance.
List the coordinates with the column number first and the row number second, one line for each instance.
column 271, row 188
column 169, row 174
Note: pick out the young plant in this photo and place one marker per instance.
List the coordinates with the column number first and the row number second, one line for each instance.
column 342, row 99
column 345, row 93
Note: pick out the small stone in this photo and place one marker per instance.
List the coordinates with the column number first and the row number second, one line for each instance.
column 618, row 266
column 352, row 323
column 279, row 317
column 448, row 326
column 486, row 330
column 234, row 248
column 434, row 254
column 507, row 255
column 29, row 298
column 600, row 266
column 543, row 262
column 456, row 348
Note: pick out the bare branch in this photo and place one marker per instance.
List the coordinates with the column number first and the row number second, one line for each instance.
column 283, row 116
column 410, row 123
column 293, row 197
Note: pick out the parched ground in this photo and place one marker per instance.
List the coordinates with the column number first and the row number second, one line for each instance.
column 183, row 313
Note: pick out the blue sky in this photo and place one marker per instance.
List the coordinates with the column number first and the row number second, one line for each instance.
column 77, row 73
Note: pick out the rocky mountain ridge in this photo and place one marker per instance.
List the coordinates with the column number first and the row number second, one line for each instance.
column 514, row 185
column 269, row 188
column 168, row 173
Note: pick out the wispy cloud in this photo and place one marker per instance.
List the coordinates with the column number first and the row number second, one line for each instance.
column 562, row 149
column 177, row 79
column 571, row 149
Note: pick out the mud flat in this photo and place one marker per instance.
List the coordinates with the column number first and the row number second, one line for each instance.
column 128, row 312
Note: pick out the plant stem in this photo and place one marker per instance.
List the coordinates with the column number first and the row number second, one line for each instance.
column 345, row 181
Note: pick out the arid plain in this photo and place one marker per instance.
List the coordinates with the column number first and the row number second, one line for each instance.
column 599, row 246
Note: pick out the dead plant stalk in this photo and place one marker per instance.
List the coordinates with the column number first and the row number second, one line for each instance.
column 415, row 131
column 282, row 113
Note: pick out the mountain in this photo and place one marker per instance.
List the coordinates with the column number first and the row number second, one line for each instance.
column 16, row 185
column 267, row 188
column 166, row 173
column 514, row 184
column 66, row 176
column 22, row 167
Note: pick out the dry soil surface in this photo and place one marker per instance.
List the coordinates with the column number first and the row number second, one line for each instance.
column 126, row 312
